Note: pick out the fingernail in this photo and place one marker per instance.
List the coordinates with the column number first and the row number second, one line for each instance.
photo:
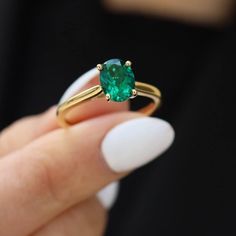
column 136, row 142
column 78, row 84
column 107, row 196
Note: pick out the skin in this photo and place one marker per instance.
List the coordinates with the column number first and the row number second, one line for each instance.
column 45, row 173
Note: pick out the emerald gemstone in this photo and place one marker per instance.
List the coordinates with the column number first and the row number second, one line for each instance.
column 117, row 80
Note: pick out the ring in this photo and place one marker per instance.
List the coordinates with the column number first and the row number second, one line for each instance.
column 117, row 84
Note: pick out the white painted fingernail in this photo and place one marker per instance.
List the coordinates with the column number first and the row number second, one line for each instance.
column 108, row 195
column 79, row 83
column 136, row 142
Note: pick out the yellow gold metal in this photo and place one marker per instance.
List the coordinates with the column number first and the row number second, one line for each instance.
column 141, row 89
column 99, row 67
column 108, row 97
column 128, row 63
column 134, row 93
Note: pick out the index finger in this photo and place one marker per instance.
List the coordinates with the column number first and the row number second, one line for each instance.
column 24, row 131
column 66, row 167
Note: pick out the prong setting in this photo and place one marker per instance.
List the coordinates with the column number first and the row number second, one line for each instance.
column 99, row 67
column 128, row 63
column 108, row 97
column 134, row 93
column 117, row 80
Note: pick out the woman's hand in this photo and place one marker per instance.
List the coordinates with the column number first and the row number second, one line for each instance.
column 49, row 176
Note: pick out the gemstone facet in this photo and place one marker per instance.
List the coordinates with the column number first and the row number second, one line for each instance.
column 117, row 80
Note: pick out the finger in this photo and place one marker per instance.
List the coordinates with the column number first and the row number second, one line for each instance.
column 27, row 129
column 108, row 195
column 67, row 166
column 87, row 218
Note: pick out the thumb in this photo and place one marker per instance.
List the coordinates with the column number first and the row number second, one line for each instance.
column 157, row 134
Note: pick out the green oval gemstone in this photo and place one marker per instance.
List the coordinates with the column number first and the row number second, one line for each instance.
column 117, row 80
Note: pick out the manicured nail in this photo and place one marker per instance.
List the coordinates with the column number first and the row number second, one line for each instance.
column 136, row 142
column 107, row 196
column 79, row 83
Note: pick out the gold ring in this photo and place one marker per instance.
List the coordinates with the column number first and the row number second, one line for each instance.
column 117, row 84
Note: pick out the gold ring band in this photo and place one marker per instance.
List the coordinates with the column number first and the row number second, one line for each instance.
column 141, row 89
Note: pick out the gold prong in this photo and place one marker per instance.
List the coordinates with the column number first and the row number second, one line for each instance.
column 108, row 97
column 134, row 93
column 128, row 63
column 99, row 67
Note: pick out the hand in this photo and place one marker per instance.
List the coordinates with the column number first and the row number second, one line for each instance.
column 49, row 176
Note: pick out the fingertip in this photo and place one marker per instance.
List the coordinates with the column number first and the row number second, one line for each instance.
column 107, row 196
column 136, row 142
